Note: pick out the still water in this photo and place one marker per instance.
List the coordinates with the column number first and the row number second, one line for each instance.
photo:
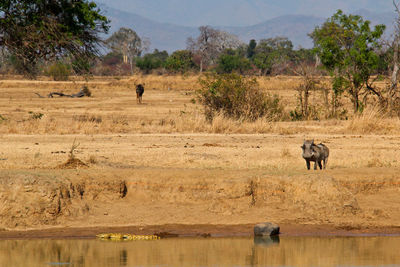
column 286, row 251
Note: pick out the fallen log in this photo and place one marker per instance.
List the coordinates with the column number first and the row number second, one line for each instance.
column 83, row 92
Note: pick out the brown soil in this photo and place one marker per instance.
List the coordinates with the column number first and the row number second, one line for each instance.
column 72, row 163
column 83, row 202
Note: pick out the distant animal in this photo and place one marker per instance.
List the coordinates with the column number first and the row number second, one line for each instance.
column 139, row 93
column 316, row 153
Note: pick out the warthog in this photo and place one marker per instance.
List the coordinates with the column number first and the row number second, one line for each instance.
column 139, row 93
column 316, row 153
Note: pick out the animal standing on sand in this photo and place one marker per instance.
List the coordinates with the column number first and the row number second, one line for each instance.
column 316, row 153
column 139, row 93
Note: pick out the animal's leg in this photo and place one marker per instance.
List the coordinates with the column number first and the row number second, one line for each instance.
column 325, row 162
column 315, row 165
column 320, row 165
column 137, row 97
column 308, row 164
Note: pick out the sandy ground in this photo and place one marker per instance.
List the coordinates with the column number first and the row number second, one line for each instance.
column 147, row 180
column 143, row 179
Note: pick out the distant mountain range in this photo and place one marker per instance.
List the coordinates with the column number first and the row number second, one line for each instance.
column 171, row 37
column 239, row 12
column 163, row 36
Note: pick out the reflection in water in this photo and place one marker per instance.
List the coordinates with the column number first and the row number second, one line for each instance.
column 284, row 251
column 123, row 257
column 266, row 241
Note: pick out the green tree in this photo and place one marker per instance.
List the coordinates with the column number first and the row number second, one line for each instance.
column 181, row 60
column 152, row 61
column 303, row 55
column 128, row 43
column 273, row 53
column 347, row 47
column 50, row 29
column 231, row 60
column 251, row 48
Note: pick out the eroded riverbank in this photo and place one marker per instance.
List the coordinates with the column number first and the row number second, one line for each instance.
column 83, row 202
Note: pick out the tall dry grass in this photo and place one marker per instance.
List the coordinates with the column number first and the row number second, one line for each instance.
column 373, row 121
column 167, row 108
column 195, row 122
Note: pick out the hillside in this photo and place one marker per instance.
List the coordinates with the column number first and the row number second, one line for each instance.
column 171, row 37
column 163, row 36
column 238, row 12
column 295, row 27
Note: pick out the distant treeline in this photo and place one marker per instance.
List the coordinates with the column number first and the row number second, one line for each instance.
column 226, row 54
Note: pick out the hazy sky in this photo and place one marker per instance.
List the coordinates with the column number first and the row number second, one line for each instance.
column 239, row 12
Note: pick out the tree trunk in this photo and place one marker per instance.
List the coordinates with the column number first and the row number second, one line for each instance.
column 393, row 94
column 393, row 80
column 317, row 61
column 201, row 65
column 131, row 65
column 356, row 102
column 334, row 104
column 306, row 95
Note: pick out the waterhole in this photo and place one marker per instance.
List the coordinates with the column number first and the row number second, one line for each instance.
column 284, row 251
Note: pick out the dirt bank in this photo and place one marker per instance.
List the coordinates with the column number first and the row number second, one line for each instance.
column 157, row 199
column 204, row 231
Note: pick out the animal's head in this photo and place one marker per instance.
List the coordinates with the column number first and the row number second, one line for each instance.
column 308, row 149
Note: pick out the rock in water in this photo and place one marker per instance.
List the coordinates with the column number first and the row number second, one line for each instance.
column 266, row 229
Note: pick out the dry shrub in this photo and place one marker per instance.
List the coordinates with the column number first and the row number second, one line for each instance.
column 373, row 120
column 59, row 71
column 120, row 119
column 73, row 162
column 92, row 159
column 88, row 118
column 237, row 97
column 85, row 89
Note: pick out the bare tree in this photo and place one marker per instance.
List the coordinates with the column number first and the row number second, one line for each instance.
column 127, row 42
column 395, row 45
column 310, row 83
column 210, row 44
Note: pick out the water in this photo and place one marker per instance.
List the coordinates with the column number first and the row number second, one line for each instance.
column 286, row 251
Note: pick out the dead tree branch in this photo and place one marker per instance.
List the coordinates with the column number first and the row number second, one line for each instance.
column 83, row 92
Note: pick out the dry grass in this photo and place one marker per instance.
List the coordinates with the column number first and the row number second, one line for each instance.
column 373, row 120
column 168, row 108
column 273, row 153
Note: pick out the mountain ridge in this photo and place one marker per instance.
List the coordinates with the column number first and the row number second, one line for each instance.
column 238, row 12
column 172, row 37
